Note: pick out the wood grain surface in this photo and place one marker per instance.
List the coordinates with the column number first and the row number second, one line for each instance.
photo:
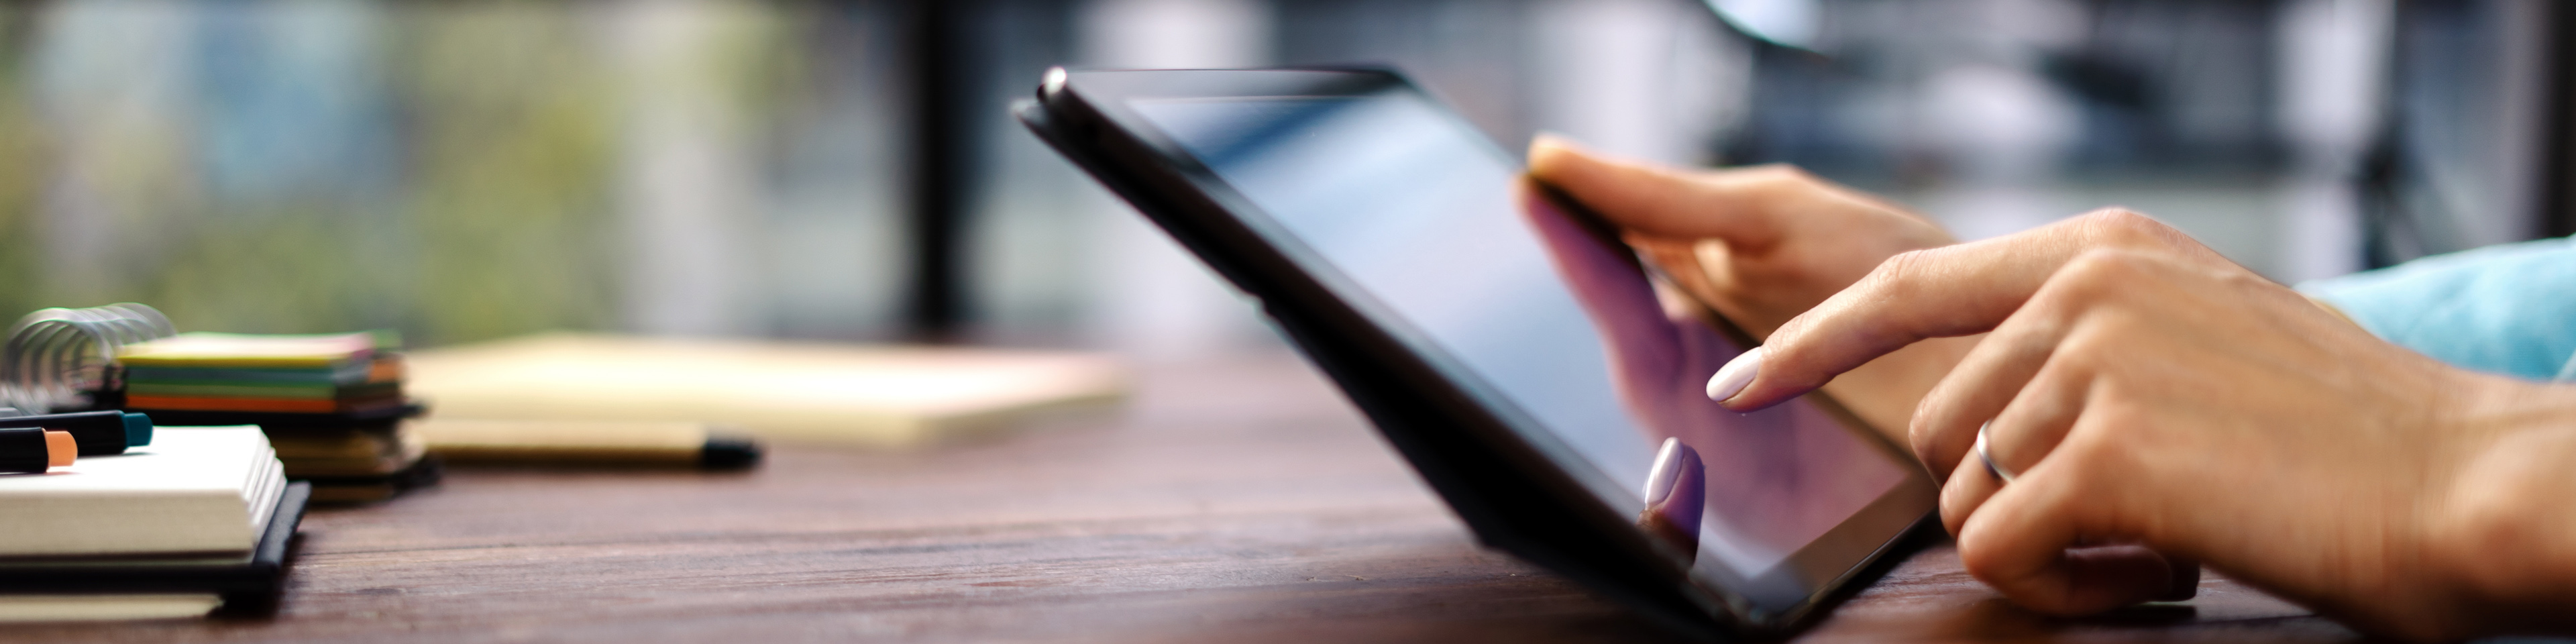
column 1238, row 501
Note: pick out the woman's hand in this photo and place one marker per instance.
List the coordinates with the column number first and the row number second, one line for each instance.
column 1762, row 245
column 2155, row 398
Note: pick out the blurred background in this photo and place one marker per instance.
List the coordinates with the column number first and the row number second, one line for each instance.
column 848, row 170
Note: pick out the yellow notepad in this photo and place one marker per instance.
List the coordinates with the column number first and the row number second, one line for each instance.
column 866, row 394
column 241, row 350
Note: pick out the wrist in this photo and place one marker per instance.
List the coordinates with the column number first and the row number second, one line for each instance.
column 2501, row 535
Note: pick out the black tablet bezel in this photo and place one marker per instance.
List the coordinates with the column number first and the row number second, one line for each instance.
column 1504, row 476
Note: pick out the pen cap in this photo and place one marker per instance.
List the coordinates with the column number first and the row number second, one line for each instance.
column 23, row 450
column 60, row 449
column 729, row 453
column 138, row 430
column 99, row 433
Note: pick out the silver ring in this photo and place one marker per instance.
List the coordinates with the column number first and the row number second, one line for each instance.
column 2000, row 473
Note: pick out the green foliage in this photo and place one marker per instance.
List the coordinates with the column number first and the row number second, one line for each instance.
column 504, row 123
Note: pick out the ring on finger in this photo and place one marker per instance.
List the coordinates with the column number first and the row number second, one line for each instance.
column 1987, row 456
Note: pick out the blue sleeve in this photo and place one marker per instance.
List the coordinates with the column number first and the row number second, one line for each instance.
column 2508, row 309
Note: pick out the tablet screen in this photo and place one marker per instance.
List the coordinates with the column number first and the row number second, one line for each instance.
column 1430, row 222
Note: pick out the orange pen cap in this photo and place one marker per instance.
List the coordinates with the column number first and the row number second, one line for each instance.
column 60, row 449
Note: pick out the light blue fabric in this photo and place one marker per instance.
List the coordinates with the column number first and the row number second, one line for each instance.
column 2508, row 309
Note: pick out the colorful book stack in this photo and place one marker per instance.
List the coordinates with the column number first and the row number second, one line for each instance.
column 294, row 374
column 331, row 404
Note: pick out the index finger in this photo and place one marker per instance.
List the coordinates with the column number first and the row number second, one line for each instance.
column 1940, row 292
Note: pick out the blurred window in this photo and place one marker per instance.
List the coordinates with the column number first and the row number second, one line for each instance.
column 465, row 171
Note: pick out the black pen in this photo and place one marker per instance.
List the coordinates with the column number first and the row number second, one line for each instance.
column 32, row 450
column 99, row 433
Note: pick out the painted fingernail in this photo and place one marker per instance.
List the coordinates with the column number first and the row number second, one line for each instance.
column 1737, row 373
column 1660, row 478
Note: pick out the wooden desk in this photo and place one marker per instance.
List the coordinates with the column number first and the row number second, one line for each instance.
column 1238, row 501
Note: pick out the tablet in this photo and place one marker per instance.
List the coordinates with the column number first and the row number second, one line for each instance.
column 1544, row 381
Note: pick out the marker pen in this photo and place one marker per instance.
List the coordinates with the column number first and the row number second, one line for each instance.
column 31, row 450
column 99, row 433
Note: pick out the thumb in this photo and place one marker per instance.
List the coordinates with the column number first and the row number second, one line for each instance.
column 1729, row 205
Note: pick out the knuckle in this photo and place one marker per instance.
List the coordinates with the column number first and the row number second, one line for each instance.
column 1937, row 451
column 1986, row 557
column 2104, row 267
column 2104, row 450
column 2124, row 228
column 1900, row 279
column 1940, row 431
column 2102, row 335
column 1980, row 560
column 1956, row 506
column 1902, row 268
column 2087, row 280
column 1779, row 172
column 1920, row 433
column 2118, row 219
column 1777, row 180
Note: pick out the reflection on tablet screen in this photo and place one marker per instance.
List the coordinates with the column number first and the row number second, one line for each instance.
column 1417, row 210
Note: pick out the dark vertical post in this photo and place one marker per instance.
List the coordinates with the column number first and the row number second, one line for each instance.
column 938, row 154
column 2556, row 177
column 2386, row 227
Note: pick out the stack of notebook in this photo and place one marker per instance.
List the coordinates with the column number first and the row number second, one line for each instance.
column 199, row 519
column 331, row 404
column 297, row 374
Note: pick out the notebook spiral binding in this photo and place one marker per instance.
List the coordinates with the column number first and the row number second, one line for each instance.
column 62, row 358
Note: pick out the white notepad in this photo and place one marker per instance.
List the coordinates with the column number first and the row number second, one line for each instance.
column 195, row 491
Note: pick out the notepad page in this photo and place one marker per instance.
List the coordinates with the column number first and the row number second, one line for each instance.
column 267, row 482
column 193, row 490
column 82, row 608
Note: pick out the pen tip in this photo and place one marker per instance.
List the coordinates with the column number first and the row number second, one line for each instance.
column 729, row 453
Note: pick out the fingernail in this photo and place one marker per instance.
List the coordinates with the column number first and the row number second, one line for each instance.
column 1731, row 379
column 1547, row 138
column 1666, row 470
